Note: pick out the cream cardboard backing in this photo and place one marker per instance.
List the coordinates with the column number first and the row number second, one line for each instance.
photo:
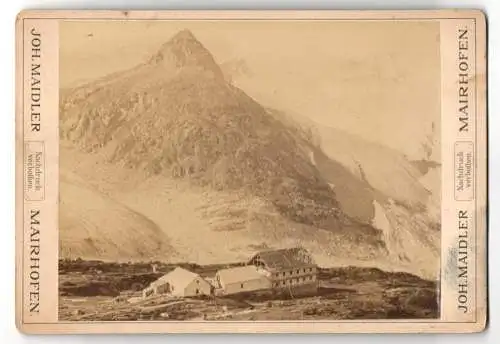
column 463, row 138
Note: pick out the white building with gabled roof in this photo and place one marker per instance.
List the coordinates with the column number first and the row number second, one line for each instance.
column 179, row 282
column 242, row 279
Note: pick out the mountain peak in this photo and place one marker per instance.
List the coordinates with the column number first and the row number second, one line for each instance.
column 184, row 50
column 185, row 36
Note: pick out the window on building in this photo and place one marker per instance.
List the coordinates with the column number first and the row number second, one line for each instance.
column 284, row 282
column 241, row 285
column 284, row 273
column 298, row 271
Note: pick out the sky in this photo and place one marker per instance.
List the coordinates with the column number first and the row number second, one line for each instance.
column 376, row 79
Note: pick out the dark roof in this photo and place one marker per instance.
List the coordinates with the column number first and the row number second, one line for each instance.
column 287, row 258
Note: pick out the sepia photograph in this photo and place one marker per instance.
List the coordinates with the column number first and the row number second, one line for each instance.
column 249, row 170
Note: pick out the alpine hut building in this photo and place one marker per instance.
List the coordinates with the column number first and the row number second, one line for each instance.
column 180, row 283
column 290, row 270
column 242, row 279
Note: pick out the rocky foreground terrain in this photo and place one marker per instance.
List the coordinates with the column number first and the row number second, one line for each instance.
column 95, row 291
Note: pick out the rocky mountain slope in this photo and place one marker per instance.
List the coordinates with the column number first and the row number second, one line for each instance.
column 202, row 167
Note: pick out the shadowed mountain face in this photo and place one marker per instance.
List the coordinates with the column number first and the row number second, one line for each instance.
column 97, row 227
column 176, row 120
column 176, row 116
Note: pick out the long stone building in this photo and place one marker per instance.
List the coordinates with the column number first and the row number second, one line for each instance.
column 290, row 269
